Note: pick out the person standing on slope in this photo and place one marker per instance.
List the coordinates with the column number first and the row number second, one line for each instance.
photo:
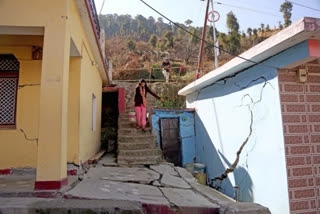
column 166, row 69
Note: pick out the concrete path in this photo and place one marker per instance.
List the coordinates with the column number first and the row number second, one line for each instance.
column 158, row 185
column 124, row 174
column 160, row 188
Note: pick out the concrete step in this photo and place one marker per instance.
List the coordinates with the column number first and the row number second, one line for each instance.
column 134, row 146
column 126, row 125
column 136, row 139
column 133, row 131
column 145, row 160
column 140, row 152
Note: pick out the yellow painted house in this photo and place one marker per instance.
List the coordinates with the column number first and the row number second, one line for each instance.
column 52, row 70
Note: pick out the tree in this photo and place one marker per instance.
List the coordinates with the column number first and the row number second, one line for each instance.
column 188, row 22
column 181, row 33
column 249, row 31
column 210, row 33
column 194, row 39
column 169, row 36
column 131, row 45
column 232, row 41
column 268, row 28
column 232, row 22
column 286, row 9
column 144, row 35
column 153, row 40
column 255, row 32
column 280, row 26
column 243, row 35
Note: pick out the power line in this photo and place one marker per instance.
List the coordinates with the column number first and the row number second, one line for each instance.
column 251, row 9
column 196, row 36
column 301, row 5
column 102, row 7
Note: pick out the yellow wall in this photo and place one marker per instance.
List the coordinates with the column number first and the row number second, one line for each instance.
column 61, row 118
column 15, row 150
column 90, row 83
column 74, row 110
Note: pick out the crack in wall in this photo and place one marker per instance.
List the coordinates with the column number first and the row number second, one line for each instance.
column 253, row 103
column 235, row 163
column 28, row 139
column 27, row 85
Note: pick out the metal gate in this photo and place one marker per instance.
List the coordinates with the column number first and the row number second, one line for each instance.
column 170, row 140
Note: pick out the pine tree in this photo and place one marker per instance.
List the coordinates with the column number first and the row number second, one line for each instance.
column 249, row 31
column 188, row 22
column 232, row 22
column 286, row 9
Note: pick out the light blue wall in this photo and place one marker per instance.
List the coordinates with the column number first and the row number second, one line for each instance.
column 187, row 134
column 222, row 125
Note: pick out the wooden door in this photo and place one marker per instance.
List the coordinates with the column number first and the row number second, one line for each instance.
column 170, row 140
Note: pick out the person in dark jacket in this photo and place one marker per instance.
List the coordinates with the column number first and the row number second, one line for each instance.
column 140, row 103
column 166, row 69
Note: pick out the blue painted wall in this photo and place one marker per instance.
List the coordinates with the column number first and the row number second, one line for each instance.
column 187, row 134
column 222, row 124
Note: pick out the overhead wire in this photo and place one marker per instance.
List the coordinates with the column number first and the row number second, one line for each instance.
column 102, row 7
column 301, row 5
column 209, row 43
column 251, row 9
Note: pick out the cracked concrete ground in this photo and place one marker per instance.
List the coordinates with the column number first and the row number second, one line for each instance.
column 159, row 184
column 159, row 188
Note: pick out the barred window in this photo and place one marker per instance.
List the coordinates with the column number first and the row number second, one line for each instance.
column 9, row 77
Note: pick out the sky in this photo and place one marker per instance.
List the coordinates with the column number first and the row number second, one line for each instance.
column 250, row 14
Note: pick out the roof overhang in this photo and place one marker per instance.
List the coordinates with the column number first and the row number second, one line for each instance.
column 93, row 38
column 304, row 29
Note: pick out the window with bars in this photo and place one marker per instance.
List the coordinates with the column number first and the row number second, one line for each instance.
column 9, row 77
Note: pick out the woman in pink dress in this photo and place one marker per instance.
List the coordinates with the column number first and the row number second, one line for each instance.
column 140, row 103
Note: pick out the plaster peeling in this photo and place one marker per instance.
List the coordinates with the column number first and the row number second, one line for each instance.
column 235, row 163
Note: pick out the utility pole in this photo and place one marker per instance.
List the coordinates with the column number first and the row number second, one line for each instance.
column 214, row 39
column 202, row 40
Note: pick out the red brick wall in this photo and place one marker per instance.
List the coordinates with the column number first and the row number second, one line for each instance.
column 300, row 104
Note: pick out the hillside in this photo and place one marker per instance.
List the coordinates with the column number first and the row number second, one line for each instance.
column 136, row 45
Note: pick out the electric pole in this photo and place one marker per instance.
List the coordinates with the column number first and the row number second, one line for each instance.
column 202, row 40
column 214, row 39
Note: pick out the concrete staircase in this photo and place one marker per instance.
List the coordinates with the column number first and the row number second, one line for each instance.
column 135, row 147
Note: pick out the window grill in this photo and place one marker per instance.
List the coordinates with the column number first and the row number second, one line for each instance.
column 9, row 72
column 8, row 92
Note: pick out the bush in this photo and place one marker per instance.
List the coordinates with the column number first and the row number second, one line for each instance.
column 169, row 92
column 131, row 45
column 157, row 72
